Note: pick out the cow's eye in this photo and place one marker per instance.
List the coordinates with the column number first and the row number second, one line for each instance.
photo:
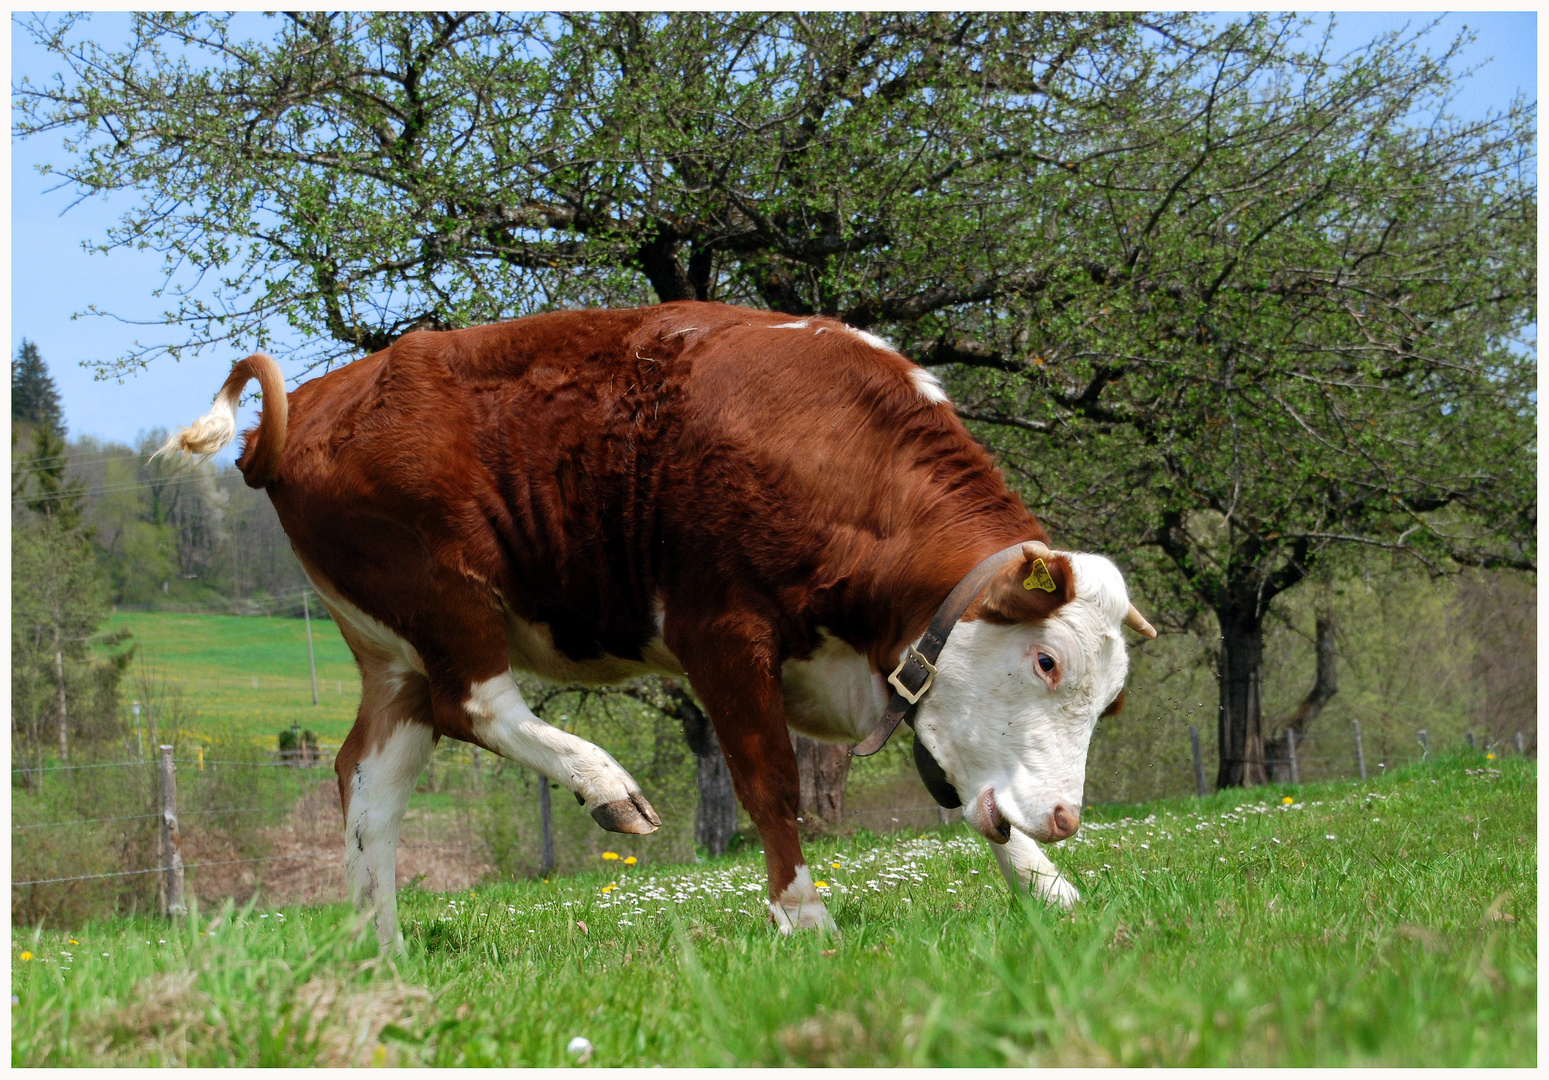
column 1046, row 662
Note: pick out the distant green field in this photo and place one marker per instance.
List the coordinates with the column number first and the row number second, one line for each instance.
column 245, row 677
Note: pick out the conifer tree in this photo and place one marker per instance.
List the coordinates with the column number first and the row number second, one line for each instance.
column 34, row 397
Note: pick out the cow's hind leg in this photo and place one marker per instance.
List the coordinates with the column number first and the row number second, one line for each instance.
column 1025, row 866
column 377, row 766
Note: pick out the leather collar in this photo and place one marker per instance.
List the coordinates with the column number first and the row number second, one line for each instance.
column 915, row 674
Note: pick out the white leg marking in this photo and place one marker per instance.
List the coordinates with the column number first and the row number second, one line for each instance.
column 1025, row 866
column 800, row 907
column 505, row 724
column 379, row 794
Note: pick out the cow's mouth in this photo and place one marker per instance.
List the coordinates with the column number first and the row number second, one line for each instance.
column 989, row 820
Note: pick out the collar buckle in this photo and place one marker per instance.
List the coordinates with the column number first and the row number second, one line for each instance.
column 930, row 677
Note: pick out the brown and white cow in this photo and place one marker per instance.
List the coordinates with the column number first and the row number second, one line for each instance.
column 772, row 507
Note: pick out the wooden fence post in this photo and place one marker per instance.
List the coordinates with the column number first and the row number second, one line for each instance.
column 1469, row 737
column 1199, row 762
column 1521, row 747
column 1425, row 745
column 1360, row 751
column 172, row 853
column 546, row 820
column 1290, row 745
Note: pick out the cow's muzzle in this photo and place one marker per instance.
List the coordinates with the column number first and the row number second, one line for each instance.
column 985, row 816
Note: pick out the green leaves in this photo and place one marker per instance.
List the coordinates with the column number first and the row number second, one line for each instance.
column 1205, row 289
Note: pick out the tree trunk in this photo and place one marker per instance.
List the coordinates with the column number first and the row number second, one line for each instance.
column 824, row 767
column 716, row 818
column 1239, row 672
column 1325, row 685
column 59, row 676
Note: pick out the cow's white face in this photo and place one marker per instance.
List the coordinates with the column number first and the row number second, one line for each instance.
column 1012, row 709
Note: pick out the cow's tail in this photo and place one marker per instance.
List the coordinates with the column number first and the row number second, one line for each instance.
column 216, row 428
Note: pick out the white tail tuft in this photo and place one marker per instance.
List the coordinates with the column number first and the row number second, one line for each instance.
column 210, row 432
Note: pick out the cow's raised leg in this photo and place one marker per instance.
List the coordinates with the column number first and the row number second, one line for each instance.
column 738, row 681
column 459, row 668
column 499, row 719
column 1025, row 866
column 377, row 766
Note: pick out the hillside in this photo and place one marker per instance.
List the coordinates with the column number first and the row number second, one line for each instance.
column 244, row 678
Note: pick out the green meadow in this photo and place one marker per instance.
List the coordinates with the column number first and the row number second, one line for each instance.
column 1386, row 923
column 244, row 678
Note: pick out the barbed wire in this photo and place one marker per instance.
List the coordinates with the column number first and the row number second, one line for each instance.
column 232, row 862
column 108, row 489
column 180, row 815
column 97, row 458
column 254, row 764
column 163, row 869
column 101, row 765
column 178, row 761
column 82, row 821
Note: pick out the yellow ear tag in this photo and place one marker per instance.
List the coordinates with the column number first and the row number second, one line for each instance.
column 1039, row 578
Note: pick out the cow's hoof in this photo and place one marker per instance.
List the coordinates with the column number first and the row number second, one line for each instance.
column 812, row 915
column 632, row 815
column 1055, row 890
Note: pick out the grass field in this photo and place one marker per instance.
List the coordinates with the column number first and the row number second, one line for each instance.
column 1391, row 923
column 228, row 669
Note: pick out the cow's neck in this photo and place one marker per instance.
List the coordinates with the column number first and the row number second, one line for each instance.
column 905, row 578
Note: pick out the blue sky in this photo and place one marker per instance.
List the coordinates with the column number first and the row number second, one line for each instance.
column 52, row 278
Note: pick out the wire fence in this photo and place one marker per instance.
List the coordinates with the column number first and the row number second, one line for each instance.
column 176, row 846
column 300, row 850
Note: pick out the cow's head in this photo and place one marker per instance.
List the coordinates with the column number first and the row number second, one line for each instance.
column 1020, row 685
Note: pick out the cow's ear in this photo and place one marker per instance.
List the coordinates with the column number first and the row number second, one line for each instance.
column 1027, row 588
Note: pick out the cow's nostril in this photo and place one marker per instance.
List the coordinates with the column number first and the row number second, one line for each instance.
column 1064, row 822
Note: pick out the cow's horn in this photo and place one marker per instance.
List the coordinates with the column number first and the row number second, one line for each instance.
column 1137, row 622
column 1035, row 549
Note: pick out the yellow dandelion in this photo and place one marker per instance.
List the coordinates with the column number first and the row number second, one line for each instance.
column 821, row 884
column 1489, row 757
column 630, row 860
column 610, row 886
column 26, row 956
column 74, row 942
column 1288, row 800
column 379, row 1056
column 610, row 855
column 834, row 865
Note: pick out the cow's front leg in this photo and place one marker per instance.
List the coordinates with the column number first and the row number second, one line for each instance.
column 741, row 692
column 501, row 721
column 1025, row 866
